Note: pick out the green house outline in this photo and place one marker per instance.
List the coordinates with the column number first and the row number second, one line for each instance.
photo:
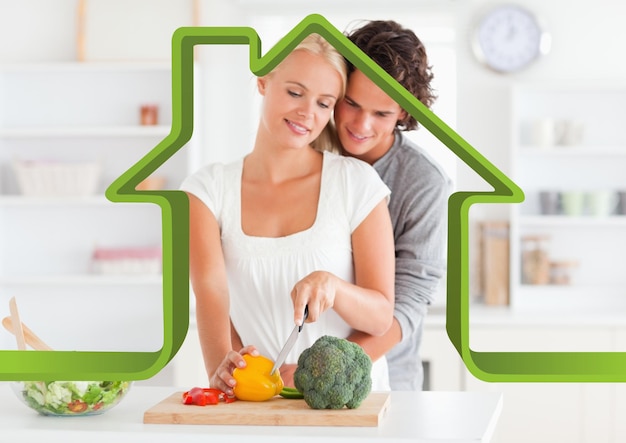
column 488, row 366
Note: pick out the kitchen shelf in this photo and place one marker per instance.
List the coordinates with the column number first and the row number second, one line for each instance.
column 587, row 221
column 85, row 131
column 591, row 165
column 72, row 67
column 19, row 200
column 58, row 202
column 83, row 280
column 80, row 112
column 601, row 297
column 571, row 151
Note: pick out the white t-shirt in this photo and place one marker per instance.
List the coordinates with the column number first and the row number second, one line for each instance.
column 262, row 271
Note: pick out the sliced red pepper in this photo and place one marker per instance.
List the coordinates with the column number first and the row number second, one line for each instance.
column 213, row 391
column 229, row 399
column 211, row 398
column 205, row 396
column 197, row 394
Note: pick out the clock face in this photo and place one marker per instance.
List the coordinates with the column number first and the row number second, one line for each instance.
column 509, row 38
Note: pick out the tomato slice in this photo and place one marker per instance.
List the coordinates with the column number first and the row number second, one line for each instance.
column 77, row 406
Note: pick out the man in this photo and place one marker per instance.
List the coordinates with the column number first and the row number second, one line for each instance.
column 370, row 127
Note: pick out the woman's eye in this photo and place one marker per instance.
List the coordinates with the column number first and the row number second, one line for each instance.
column 324, row 105
column 294, row 93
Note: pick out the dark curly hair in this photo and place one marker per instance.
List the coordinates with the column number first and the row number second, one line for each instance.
column 402, row 55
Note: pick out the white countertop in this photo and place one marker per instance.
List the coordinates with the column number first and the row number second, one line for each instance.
column 425, row 417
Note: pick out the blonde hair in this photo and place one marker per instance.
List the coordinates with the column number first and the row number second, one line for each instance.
column 318, row 45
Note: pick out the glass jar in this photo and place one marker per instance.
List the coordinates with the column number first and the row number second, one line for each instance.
column 561, row 272
column 535, row 260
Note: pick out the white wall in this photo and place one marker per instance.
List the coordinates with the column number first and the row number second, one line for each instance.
column 587, row 44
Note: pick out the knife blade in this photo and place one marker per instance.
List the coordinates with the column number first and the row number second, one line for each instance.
column 282, row 355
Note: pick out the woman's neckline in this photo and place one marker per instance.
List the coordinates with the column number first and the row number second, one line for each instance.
column 290, row 235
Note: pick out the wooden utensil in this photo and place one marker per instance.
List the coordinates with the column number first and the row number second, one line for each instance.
column 30, row 337
column 17, row 325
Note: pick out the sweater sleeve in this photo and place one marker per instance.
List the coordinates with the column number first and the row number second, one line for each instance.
column 420, row 236
column 418, row 209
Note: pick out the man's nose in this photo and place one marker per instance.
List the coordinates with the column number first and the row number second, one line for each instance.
column 362, row 120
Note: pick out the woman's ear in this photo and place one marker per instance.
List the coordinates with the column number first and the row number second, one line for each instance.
column 260, row 84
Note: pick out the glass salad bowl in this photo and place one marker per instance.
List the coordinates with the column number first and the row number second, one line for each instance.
column 71, row 398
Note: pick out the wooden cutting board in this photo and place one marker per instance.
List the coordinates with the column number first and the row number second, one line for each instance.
column 277, row 411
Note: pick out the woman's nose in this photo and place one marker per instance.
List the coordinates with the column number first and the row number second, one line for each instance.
column 306, row 110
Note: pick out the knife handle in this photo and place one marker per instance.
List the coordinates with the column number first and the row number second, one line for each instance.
column 306, row 315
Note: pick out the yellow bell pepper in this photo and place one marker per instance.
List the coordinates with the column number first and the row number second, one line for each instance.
column 254, row 382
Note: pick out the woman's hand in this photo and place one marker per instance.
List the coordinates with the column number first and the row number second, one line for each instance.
column 317, row 290
column 222, row 378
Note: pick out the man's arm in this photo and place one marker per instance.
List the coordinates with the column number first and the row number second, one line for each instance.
column 419, row 230
column 378, row 346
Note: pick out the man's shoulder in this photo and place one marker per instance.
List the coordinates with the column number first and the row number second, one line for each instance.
column 407, row 159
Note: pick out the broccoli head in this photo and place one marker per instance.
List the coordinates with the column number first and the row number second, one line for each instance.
column 333, row 373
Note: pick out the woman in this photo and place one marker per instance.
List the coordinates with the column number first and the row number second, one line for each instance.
column 289, row 226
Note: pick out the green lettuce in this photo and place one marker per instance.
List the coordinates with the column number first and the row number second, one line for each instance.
column 73, row 397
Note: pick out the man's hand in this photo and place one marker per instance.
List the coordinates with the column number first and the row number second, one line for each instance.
column 286, row 373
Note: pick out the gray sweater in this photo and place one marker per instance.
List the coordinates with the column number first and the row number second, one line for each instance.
column 418, row 208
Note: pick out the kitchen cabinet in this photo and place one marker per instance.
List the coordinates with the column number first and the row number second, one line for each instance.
column 443, row 368
column 87, row 113
column 546, row 412
column 568, row 238
column 540, row 412
column 618, row 393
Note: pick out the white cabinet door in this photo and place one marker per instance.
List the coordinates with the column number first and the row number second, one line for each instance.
column 547, row 412
column 443, row 365
column 619, row 393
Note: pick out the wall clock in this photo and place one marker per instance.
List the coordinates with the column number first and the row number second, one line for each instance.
column 509, row 37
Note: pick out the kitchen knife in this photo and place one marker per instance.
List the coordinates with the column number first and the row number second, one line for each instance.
column 282, row 355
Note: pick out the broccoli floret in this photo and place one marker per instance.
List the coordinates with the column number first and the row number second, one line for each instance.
column 333, row 373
